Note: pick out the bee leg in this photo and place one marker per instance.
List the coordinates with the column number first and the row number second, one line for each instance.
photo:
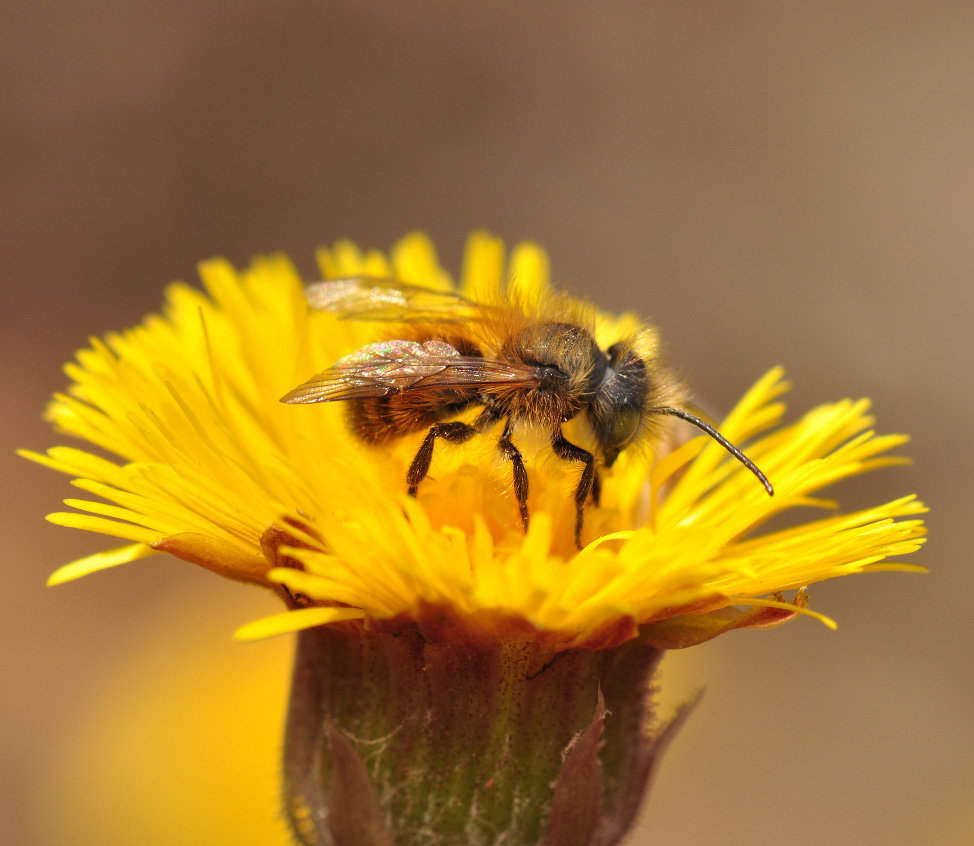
column 454, row 433
column 596, row 487
column 512, row 454
column 569, row 452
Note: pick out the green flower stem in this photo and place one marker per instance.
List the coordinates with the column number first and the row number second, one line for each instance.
column 433, row 731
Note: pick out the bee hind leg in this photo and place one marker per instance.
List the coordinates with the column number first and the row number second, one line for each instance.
column 454, row 432
column 520, row 474
column 567, row 451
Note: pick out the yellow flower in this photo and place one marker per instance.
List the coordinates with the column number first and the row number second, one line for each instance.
column 210, row 461
column 458, row 679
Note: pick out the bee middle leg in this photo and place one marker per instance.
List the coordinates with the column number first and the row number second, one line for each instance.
column 596, row 487
column 568, row 451
column 520, row 474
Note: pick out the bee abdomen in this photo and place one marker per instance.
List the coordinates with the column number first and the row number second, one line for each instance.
column 379, row 420
column 371, row 420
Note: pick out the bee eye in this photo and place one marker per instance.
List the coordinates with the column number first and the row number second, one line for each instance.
column 624, row 426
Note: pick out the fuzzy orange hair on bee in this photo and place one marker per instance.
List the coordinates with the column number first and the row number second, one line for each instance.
column 520, row 361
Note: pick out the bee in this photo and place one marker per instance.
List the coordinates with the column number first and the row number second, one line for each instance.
column 519, row 360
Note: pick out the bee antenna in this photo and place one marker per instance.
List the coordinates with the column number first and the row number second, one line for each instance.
column 726, row 444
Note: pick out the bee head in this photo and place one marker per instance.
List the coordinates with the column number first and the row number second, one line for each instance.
column 616, row 412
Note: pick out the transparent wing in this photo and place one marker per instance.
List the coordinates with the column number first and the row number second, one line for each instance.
column 377, row 299
column 388, row 367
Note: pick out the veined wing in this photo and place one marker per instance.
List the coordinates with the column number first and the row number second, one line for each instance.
column 388, row 367
column 378, row 299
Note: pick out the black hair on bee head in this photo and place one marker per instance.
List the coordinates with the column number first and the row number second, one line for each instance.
column 616, row 413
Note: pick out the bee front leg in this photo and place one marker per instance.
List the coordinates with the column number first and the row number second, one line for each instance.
column 520, row 474
column 567, row 451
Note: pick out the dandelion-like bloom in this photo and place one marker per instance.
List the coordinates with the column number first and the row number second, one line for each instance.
column 458, row 680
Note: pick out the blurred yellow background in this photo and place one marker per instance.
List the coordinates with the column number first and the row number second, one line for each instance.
column 769, row 183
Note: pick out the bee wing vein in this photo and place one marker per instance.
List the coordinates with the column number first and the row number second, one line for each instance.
column 386, row 300
column 385, row 368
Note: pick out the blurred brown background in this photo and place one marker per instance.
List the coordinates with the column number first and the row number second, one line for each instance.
column 770, row 183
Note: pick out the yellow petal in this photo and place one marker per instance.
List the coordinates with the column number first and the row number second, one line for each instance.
column 294, row 621
column 100, row 561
